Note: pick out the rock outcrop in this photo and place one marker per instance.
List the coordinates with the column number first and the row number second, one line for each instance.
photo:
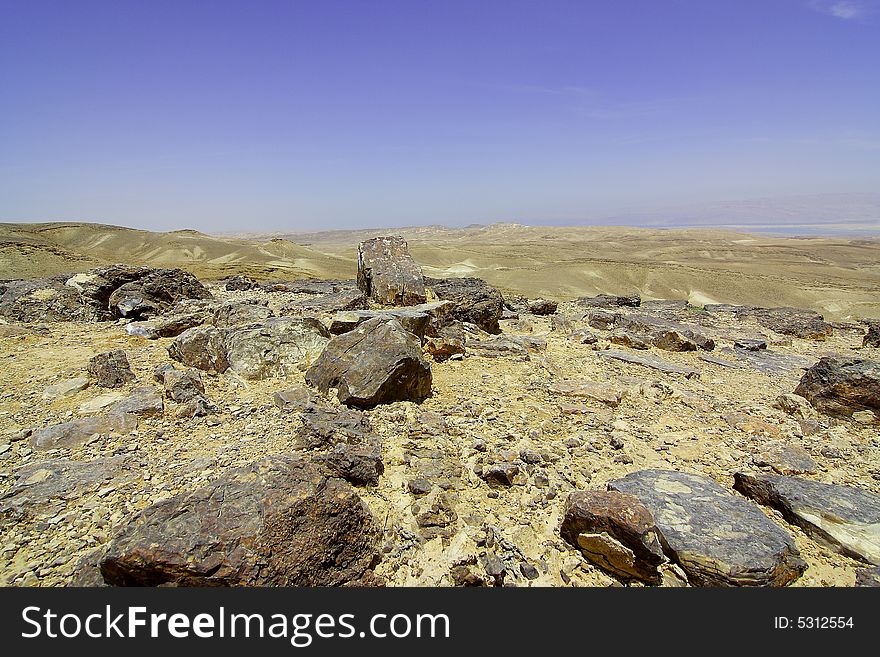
column 842, row 386
column 387, row 274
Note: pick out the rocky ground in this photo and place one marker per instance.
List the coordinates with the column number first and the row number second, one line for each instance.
column 469, row 485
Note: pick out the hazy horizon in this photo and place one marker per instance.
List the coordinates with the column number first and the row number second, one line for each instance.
column 303, row 116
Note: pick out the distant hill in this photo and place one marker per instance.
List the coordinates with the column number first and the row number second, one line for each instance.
column 29, row 250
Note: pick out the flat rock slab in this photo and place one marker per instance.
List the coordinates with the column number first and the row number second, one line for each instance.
column 845, row 518
column 591, row 390
column 277, row 522
column 771, row 362
column 78, row 431
column 649, row 361
column 720, row 361
column 718, row 538
column 37, row 485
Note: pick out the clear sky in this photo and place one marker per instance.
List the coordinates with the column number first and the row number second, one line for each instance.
column 229, row 115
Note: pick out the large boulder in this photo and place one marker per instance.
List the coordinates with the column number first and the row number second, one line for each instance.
column 277, row 522
column 611, row 301
column 797, row 322
column 43, row 300
column 474, row 301
column 377, row 363
column 841, row 386
column 717, row 537
column 844, row 518
column 236, row 314
column 387, row 274
column 202, row 347
column 155, row 293
column 275, row 348
column 346, row 299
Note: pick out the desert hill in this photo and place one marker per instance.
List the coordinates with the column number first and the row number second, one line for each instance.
column 836, row 276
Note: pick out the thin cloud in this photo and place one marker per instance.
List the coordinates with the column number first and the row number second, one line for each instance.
column 847, row 10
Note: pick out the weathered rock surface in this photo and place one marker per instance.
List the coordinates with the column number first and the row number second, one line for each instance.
column 718, row 538
column 348, row 299
column 543, row 306
column 111, row 369
column 649, row 361
column 611, row 301
column 474, row 301
column 378, row 362
column 360, row 465
column 165, row 326
column 66, row 388
column 868, row 576
column 797, row 322
column 387, row 274
column 203, row 347
column 181, row 385
column 441, row 349
column 590, row 390
column 275, row 348
column 616, row 532
column 845, row 518
column 145, row 401
column 412, row 320
column 241, row 283
column 237, row 314
column 842, row 386
column 786, row 459
column 327, row 427
column 155, row 293
column 872, row 337
column 277, row 522
column 39, row 484
column 76, row 432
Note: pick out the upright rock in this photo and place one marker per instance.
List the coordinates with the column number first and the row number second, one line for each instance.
column 872, row 337
column 111, row 369
column 842, row 386
column 276, row 522
column 387, row 274
column 718, row 538
column 845, row 518
column 377, row 363
column 203, row 347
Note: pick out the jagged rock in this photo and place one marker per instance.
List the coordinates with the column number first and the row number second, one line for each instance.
column 750, row 344
column 66, row 388
column 602, row 319
column 277, row 522
column 203, row 347
column 38, row 485
column 845, row 518
column 614, row 531
column 543, row 307
column 142, row 402
column 87, row 572
column 610, row 301
column 649, row 361
column 412, row 320
column 868, row 576
column 437, row 519
column 241, row 283
column 111, row 369
column 583, row 336
column 387, row 274
column 872, row 337
column 197, row 407
column 500, row 475
column 473, row 300
column 155, row 293
column 842, row 386
column 181, row 386
column 166, row 326
column 664, row 334
column 237, row 314
column 78, row 431
column 796, row 322
column 441, row 349
column 718, row 538
column 276, row 348
column 786, row 459
column 600, row 392
column 323, row 427
column 626, row 339
column 360, row 465
column 45, row 300
column 377, row 363
column 562, row 323
column 348, row 299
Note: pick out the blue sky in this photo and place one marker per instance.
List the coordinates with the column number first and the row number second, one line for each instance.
column 266, row 115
